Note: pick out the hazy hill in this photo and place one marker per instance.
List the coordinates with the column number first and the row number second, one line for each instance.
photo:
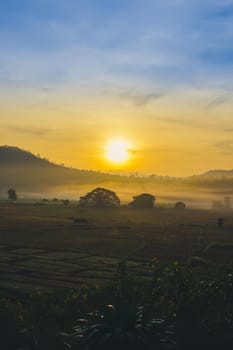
column 14, row 156
column 28, row 172
column 219, row 172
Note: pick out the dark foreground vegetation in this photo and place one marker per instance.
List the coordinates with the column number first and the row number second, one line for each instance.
column 174, row 309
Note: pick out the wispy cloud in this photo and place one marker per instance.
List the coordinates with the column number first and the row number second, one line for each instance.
column 140, row 99
column 228, row 130
column 182, row 122
column 29, row 130
column 225, row 146
column 46, row 88
column 217, row 101
column 173, row 120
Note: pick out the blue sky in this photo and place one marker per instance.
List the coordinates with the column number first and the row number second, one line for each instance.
column 163, row 70
column 174, row 42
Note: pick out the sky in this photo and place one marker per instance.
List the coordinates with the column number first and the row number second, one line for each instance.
column 76, row 74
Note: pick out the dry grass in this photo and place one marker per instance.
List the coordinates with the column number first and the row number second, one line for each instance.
column 40, row 246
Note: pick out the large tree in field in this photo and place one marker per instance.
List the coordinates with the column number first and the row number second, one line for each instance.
column 12, row 195
column 100, row 198
column 144, row 200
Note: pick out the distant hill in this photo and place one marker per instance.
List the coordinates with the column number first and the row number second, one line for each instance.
column 218, row 172
column 14, row 156
column 27, row 172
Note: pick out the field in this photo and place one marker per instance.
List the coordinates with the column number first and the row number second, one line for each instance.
column 41, row 246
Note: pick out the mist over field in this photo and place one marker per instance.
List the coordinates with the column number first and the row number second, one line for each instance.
column 35, row 177
column 164, row 196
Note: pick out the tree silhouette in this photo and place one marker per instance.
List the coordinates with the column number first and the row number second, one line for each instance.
column 180, row 205
column 144, row 200
column 100, row 198
column 12, row 195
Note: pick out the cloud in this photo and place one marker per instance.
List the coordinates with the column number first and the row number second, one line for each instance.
column 157, row 149
column 228, row 130
column 142, row 99
column 225, row 146
column 173, row 121
column 176, row 121
column 46, row 88
column 30, row 131
column 135, row 97
column 217, row 101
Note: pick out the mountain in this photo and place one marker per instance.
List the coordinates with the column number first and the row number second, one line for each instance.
column 26, row 171
column 219, row 172
column 14, row 156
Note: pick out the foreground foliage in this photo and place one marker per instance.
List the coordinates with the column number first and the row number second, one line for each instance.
column 178, row 308
column 120, row 327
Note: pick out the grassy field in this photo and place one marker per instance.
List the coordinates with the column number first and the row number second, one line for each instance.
column 41, row 246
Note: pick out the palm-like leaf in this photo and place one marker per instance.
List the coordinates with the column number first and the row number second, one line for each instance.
column 122, row 327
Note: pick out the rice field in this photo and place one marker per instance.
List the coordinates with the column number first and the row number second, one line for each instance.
column 42, row 245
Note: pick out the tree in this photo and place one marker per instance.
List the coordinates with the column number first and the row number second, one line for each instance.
column 100, row 198
column 45, row 200
column 180, row 205
column 144, row 200
column 12, row 195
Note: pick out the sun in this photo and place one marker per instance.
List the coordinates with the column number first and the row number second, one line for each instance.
column 117, row 151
